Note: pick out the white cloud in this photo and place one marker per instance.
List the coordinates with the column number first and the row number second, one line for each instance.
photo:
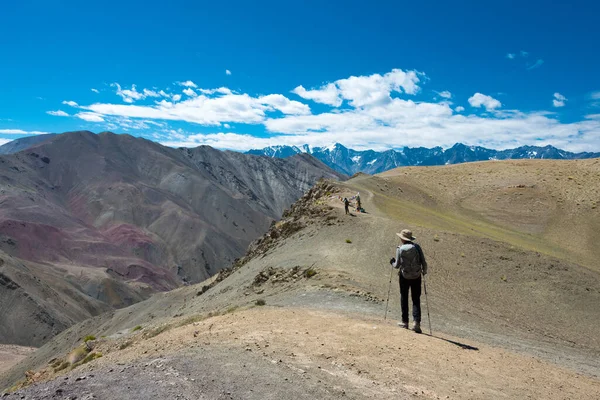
column 481, row 100
column 377, row 115
column 188, row 84
column 511, row 56
column 224, row 106
column 151, row 93
column 95, row 90
column 559, row 100
column 536, row 64
column 221, row 90
column 20, row 132
column 375, row 89
column 190, row 92
column 445, row 94
column 524, row 53
column 70, row 103
column 4, row 141
column 281, row 103
column 327, row 94
column 90, row 116
column 595, row 95
column 58, row 113
column 164, row 94
column 363, row 91
column 227, row 72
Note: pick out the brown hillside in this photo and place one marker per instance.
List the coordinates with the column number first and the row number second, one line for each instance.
column 508, row 321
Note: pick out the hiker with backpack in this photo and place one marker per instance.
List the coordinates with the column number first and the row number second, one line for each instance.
column 411, row 263
column 346, row 205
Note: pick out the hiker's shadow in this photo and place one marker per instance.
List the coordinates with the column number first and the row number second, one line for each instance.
column 459, row 344
column 352, row 215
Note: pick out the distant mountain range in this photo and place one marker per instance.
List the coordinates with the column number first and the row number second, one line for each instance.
column 348, row 161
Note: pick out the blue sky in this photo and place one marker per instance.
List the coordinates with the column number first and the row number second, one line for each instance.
column 378, row 75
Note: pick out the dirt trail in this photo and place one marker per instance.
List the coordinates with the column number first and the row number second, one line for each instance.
column 297, row 353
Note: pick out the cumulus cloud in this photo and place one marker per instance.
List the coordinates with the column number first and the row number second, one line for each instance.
column 189, row 92
column 227, row 72
column 375, row 89
column 559, row 100
column 511, row 56
column 20, row 132
column 378, row 113
column 58, row 113
column 221, row 90
column 90, row 116
column 95, row 90
column 281, row 103
column 481, row 100
column 188, row 84
column 524, row 53
column 70, row 103
column 205, row 110
column 445, row 94
column 327, row 94
column 363, row 91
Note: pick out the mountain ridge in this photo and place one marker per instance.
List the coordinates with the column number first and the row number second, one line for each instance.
column 349, row 161
column 90, row 222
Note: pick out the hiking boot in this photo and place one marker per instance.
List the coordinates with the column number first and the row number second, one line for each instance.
column 403, row 325
column 417, row 327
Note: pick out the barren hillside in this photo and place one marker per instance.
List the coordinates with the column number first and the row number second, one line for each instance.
column 91, row 222
column 512, row 315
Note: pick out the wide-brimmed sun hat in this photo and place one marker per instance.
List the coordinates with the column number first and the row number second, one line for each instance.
column 406, row 234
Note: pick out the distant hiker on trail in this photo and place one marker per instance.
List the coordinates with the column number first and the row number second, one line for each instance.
column 346, row 205
column 358, row 205
column 411, row 262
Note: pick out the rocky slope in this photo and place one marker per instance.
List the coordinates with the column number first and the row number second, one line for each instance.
column 90, row 222
column 495, row 291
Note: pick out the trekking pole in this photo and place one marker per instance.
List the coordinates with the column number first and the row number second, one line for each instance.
column 389, row 290
column 427, row 303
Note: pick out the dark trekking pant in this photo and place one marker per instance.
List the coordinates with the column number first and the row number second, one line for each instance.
column 415, row 291
column 346, row 207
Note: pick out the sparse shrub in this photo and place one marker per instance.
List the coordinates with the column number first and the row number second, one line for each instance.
column 125, row 345
column 61, row 366
column 78, row 354
column 157, row 331
column 348, row 241
column 503, row 278
column 88, row 338
column 231, row 309
column 309, row 273
column 260, row 302
column 87, row 359
column 462, row 254
column 137, row 328
column 436, row 238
